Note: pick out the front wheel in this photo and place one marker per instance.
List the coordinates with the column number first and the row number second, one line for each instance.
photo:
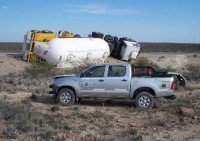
column 66, row 97
column 144, row 100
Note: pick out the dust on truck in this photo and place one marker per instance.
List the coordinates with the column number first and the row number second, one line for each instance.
column 116, row 81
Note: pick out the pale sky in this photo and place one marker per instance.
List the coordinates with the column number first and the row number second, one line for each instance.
column 143, row 20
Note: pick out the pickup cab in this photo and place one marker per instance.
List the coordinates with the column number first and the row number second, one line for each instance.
column 116, row 81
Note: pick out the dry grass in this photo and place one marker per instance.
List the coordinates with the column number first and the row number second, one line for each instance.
column 192, row 72
column 37, row 117
column 90, row 120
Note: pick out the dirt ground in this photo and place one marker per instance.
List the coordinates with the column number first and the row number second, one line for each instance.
column 174, row 60
column 162, row 123
column 13, row 63
column 177, row 60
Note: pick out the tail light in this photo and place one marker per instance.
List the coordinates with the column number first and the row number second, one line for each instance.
column 172, row 85
column 149, row 71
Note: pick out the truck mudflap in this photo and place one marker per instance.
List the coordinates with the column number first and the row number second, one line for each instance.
column 172, row 97
column 180, row 77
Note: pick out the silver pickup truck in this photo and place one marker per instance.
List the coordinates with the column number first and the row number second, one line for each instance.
column 116, row 81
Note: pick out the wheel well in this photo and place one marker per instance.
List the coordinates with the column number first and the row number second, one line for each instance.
column 146, row 89
column 69, row 87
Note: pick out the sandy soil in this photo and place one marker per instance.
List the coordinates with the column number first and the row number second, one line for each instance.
column 131, row 117
column 14, row 63
column 177, row 61
column 174, row 60
column 11, row 63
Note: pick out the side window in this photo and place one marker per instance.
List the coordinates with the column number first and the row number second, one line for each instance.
column 27, row 46
column 95, row 72
column 116, row 71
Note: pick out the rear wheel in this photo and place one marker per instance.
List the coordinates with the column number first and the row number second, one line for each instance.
column 144, row 100
column 66, row 97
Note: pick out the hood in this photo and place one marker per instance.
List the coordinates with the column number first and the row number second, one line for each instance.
column 63, row 76
column 180, row 77
column 62, row 80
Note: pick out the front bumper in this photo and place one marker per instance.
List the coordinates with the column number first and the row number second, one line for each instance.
column 54, row 89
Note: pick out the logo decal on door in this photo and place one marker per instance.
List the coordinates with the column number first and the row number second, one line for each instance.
column 87, row 84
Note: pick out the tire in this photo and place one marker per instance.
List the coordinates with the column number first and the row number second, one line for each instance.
column 66, row 97
column 110, row 47
column 46, row 31
column 77, row 36
column 35, row 31
column 109, row 38
column 97, row 35
column 144, row 100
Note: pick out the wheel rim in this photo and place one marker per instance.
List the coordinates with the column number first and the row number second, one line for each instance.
column 65, row 97
column 144, row 101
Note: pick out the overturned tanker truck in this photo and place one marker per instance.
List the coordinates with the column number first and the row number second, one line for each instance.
column 68, row 49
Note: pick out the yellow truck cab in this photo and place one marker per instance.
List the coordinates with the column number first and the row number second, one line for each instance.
column 29, row 41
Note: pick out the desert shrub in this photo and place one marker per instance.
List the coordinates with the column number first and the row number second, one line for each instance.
column 168, row 68
column 143, row 61
column 1, row 87
column 10, row 132
column 33, row 97
column 48, row 133
column 195, row 55
column 55, row 108
column 161, row 57
column 131, row 134
column 192, row 72
column 97, row 113
column 76, row 67
column 40, row 70
column 22, row 118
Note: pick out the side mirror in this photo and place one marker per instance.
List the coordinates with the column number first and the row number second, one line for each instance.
column 82, row 75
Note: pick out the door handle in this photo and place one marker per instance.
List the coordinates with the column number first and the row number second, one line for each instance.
column 124, row 80
column 101, row 80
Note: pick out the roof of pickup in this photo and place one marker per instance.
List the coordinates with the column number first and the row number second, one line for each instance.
column 123, row 64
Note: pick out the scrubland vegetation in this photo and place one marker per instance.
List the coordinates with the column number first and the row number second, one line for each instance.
column 34, row 115
column 27, row 112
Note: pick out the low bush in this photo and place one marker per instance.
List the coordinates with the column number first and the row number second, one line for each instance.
column 40, row 70
column 55, row 108
column 22, row 118
column 195, row 55
column 161, row 57
column 192, row 72
column 169, row 69
column 143, row 61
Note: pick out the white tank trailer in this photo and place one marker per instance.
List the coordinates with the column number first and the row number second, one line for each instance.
column 66, row 52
